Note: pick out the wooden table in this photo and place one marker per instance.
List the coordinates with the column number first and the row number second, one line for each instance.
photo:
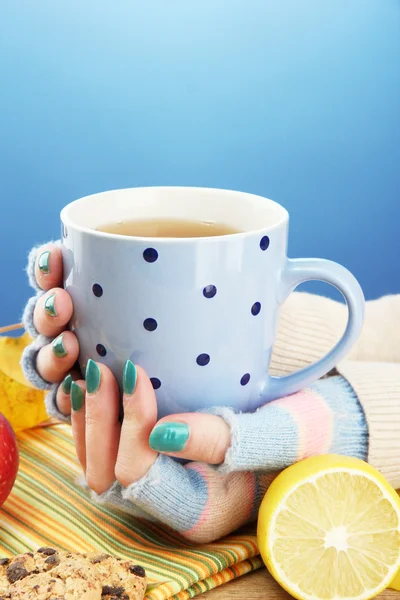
column 259, row 585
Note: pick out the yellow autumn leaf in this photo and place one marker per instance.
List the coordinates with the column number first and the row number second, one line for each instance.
column 20, row 402
column 21, row 405
column 10, row 355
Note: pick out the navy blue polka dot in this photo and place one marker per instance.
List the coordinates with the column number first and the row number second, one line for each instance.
column 245, row 379
column 203, row 360
column 264, row 243
column 101, row 351
column 255, row 309
column 97, row 290
column 150, row 255
column 150, row 324
column 156, row 383
column 209, row 291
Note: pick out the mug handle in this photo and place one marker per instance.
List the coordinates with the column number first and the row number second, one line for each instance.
column 305, row 269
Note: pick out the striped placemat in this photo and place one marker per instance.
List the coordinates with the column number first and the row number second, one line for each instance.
column 48, row 508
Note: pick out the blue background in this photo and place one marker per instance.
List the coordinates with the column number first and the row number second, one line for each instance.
column 295, row 100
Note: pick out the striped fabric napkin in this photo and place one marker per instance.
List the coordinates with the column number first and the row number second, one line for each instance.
column 47, row 508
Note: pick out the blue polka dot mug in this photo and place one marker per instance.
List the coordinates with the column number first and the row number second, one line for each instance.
column 199, row 314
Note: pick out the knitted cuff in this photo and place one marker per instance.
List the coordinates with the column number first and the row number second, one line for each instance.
column 28, row 360
column 168, row 491
column 113, row 497
column 324, row 418
column 28, row 363
column 51, row 406
column 177, row 495
column 27, row 316
column 168, row 494
column 30, row 268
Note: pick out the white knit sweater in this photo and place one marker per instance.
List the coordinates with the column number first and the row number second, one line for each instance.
column 310, row 325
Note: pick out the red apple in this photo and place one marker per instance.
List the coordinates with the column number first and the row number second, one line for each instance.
column 9, row 458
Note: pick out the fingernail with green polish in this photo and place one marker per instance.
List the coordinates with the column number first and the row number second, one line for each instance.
column 49, row 306
column 77, row 396
column 129, row 378
column 44, row 262
column 58, row 347
column 169, row 437
column 92, row 377
column 66, row 384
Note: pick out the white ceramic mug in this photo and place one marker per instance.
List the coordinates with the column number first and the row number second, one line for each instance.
column 199, row 314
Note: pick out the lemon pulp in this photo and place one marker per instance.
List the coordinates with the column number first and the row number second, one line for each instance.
column 329, row 528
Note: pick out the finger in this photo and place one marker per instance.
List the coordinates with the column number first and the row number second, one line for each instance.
column 135, row 456
column 49, row 267
column 194, row 436
column 102, row 426
column 78, row 412
column 55, row 360
column 63, row 397
column 52, row 312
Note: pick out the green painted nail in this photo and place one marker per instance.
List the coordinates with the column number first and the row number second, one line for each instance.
column 49, row 306
column 169, row 437
column 129, row 378
column 77, row 396
column 58, row 347
column 44, row 262
column 92, row 377
column 66, row 384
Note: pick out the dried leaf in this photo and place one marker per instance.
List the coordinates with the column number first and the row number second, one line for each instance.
column 21, row 405
column 20, row 402
column 10, row 355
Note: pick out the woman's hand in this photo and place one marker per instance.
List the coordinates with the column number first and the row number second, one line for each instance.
column 107, row 449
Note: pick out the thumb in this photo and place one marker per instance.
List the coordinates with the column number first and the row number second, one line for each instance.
column 193, row 436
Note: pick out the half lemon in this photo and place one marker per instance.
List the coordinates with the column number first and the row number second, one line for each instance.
column 329, row 528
